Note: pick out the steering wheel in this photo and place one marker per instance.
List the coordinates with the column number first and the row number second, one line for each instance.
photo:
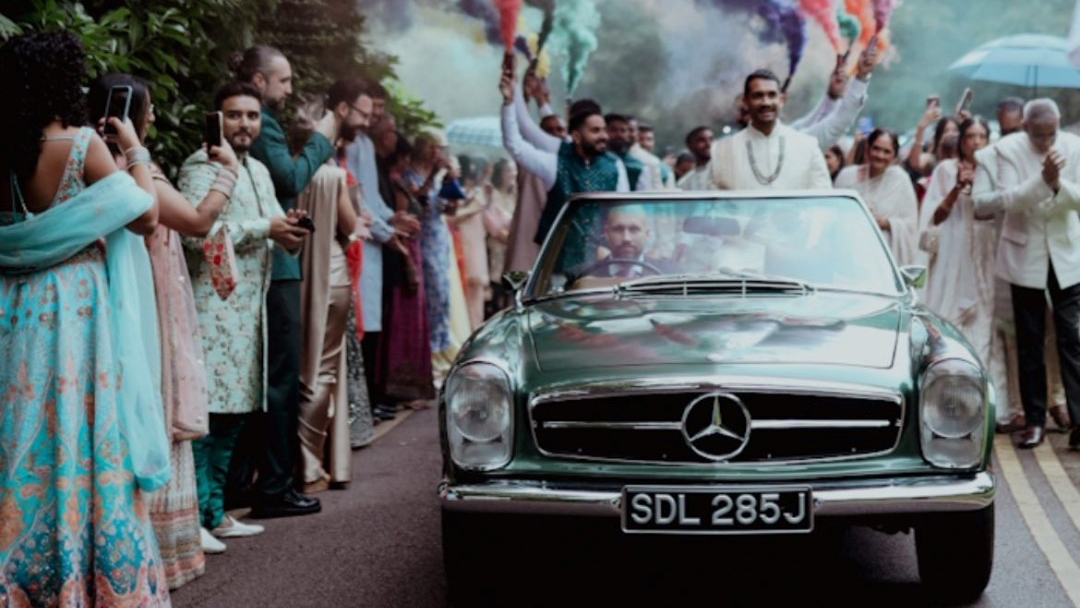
column 653, row 270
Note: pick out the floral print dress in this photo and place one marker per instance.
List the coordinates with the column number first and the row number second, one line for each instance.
column 74, row 531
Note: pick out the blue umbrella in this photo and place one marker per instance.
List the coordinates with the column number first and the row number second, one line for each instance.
column 1029, row 60
column 479, row 131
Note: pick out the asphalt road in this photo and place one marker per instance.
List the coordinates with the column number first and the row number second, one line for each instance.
column 377, row 544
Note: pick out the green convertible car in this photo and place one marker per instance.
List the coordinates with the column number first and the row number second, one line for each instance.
column 722, row 363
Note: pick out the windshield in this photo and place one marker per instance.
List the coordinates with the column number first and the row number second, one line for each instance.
column 825, row 242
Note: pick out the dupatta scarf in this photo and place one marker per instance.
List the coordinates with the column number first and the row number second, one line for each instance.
column 103, row 210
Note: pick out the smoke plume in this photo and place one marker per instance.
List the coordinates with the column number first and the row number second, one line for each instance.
column 574, row 36
column 824, row 13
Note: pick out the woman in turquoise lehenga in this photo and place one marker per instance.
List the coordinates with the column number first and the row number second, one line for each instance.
column 80, row 429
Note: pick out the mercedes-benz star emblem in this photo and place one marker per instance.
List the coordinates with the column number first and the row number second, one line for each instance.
column 716, row 426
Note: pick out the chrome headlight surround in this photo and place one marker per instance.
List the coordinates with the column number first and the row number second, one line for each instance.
column 952, row 414
column 479, row 416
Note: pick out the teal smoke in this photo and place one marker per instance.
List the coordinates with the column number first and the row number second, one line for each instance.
column 574, row 36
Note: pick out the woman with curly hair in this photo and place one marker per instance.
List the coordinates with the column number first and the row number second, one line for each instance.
column 81, row 435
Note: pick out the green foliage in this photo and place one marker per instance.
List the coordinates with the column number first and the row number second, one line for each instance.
column 178, row 48
column 181, row 48
column 323, row 40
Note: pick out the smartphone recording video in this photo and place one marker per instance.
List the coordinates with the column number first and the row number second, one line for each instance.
column 117, row 105
column 212, row 129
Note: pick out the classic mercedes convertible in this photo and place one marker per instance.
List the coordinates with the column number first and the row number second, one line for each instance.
column 722, row 364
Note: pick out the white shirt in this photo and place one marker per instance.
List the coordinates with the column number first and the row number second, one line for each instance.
column 696, row 179
column 1040, row 228
column 832, row 118
column 801, row 167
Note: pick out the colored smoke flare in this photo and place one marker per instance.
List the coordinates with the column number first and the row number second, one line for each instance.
column 508, row 17
column 863, row 10
column 784, row 23
column 548, row 8
column 849, row 26
column 485, row 11
column 824, row 12
column 883, row 10
column 574, row 36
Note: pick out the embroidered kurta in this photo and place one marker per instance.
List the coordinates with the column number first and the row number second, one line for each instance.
column 889, row 195
column 234, row 330
column 783, row 160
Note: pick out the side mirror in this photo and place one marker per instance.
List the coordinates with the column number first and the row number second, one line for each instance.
column 914, row 275
column 515, row 279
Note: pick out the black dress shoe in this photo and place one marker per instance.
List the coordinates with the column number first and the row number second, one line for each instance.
column 1074, row 438
column 289, row 503
column 1032, row 437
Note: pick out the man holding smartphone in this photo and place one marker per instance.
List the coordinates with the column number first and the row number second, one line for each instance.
column 234, row 329
column 273, row 444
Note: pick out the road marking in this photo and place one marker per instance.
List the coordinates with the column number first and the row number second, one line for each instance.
column 1059, row 481
column 1061, row 561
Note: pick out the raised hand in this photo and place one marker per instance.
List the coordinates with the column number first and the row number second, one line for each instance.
column 1052, row 166
column 867, row 60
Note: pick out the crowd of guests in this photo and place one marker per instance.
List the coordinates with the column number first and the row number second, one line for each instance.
column 183, row 349
column 310, row 281
column 993, row 215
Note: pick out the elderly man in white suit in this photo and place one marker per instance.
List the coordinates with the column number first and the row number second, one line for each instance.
column 1034, row 178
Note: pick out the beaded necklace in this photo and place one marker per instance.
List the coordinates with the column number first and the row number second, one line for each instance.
column 765, row 180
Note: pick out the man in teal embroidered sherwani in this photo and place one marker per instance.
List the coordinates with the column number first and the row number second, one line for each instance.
column 273, row 444
column 620, row 140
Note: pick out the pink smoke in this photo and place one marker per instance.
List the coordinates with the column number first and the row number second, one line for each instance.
column 863, row 10
column 883, row 10
column 824, row 12
column 508, row 16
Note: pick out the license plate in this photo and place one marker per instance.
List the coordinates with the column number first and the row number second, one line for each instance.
column 717, row 510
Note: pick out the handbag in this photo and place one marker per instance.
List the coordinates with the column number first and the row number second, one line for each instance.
column 220, row 257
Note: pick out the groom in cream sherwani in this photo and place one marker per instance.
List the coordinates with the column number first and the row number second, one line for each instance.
column 1034, row 178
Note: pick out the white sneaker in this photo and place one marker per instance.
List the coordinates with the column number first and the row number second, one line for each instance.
column 231, row 528
column 209, row 543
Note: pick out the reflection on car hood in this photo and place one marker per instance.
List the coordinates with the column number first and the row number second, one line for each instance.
column 823, row 328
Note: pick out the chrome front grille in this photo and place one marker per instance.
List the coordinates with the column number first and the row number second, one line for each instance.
column 648, row 427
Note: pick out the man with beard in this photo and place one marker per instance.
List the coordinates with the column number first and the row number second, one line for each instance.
column 699, row 142
column 234, row 330
column 627, row 230
column 767, row 154
column 620, row 140
column 272, row 444
column 361, row 160
column 582, row 164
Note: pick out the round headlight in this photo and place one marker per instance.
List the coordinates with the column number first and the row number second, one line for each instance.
column 953, row 399
column 478, row 402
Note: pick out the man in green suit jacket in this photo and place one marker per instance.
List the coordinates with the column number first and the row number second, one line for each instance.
column 274, row 445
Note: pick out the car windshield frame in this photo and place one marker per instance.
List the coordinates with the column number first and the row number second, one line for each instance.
column 552, row 246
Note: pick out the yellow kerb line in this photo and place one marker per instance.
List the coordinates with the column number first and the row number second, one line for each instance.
column 1059, row 481
column 1061, row 561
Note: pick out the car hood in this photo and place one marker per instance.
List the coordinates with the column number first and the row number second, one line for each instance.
column 600, row 331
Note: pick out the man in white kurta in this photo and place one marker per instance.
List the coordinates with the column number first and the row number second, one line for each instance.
column 767, row 154
column 1038, row 188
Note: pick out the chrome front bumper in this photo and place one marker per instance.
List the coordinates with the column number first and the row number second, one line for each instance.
column 897, row 496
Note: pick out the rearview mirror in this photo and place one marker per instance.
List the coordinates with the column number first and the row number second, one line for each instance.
column 515, row 279
column 712, row 226
column 914, row 275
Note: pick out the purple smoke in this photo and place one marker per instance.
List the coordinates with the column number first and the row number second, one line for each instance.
column 784, row 24
column 485, row 11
